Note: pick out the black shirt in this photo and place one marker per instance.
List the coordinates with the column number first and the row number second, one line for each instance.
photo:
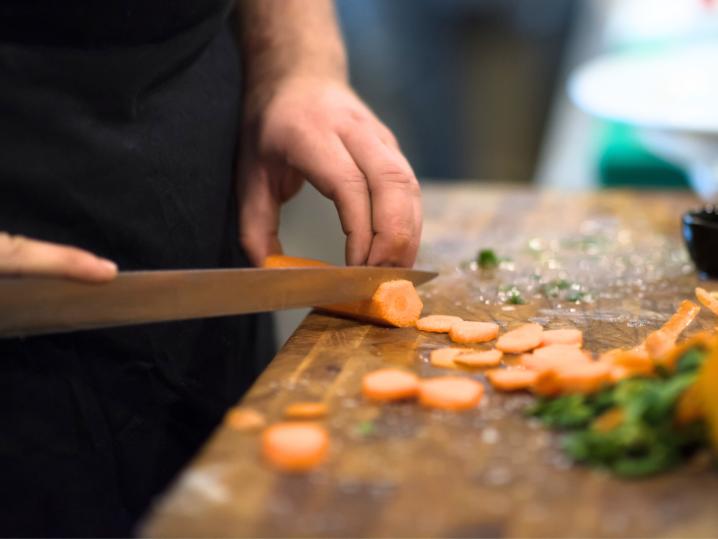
column 118, row 127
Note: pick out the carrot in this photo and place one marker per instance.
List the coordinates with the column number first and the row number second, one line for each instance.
column 395, row 303
column 553, row 356
column 660, row 342
column 547, row 384
column 305, row 410
column 636, row 361
column 487, row 358
column 437, row 323
column 244, row 419
column 294, row 447
column 562, row 336
column 707, row 299
column 444, row 357
column 525, row 338
column 284, row 261
column 609, row 420
column 610, row 356
column 618, row 373
column 469, row 332
column 450, row 393
column 390, row 385
column 511, row 379
column 583, row 378
column 705, row 340
column 689, row 407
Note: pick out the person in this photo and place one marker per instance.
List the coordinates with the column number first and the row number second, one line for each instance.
column 131, row 138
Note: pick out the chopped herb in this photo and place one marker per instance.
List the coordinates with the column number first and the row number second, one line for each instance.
column 644, row 439
column 487, row 259
column 365, row 428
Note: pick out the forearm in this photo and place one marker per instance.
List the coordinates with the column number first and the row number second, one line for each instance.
column 289, row 38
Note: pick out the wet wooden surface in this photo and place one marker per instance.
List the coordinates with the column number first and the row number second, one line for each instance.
column 403, row 471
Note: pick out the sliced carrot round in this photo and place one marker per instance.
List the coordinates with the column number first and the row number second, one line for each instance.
column 547, row 384
column 295, row 447
column 707, row 299
column 444, row 357
column 520, row 340
column 244, row 419
column 584, row 378
column 487, row 358
column 390, row 385
column 468, row 332
column 450, row 392
column 305, row 410
column 562, row 336
column 438, row 323
column 554, row 356
column 511, row 379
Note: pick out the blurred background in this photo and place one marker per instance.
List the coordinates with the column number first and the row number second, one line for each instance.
column 532, row 92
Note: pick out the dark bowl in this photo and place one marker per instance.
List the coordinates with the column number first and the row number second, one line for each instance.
column 700, row 232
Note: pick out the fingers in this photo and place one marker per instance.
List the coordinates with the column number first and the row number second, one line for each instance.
column 23, row 256
column 259, row 216
column 395, row 199
column 325, row 162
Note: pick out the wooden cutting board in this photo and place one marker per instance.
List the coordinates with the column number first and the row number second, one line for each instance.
column 403, row 471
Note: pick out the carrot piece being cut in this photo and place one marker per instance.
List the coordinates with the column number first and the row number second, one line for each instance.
column 520, row 340
column 707, row 299
column 437, row 323
column 444, row 357
column 305, row 410
column 395, row 303
column 487, row 358
column 244, row 419
column 294, row 447
column 390, row 385
column 511, row 379
column 660, row 342
column 562, row 336
column 450, row 392
column 470, row 332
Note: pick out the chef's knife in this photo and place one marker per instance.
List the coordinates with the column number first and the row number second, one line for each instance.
column 38, row 305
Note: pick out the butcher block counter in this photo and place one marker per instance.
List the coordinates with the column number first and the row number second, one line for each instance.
column 403, row 471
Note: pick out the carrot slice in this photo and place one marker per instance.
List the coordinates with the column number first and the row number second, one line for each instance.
column 562, row 336
column 618, row 373
column 487, row 358
column 636, row 361
column 660, row 342
column 609, row 420
column 553, row 356
column 244, row 419
column 305, row 410
column 450, row 393
column 511, row 379
column 295, row 447
column 583, row 378
column 438, row 323
column 689, row 407
column 444, row 357
column 523, row 339
column 468, row 332
column 395, row 303
column 390, row 385
column 547, row 384
column 707, row 299
column 610, row 356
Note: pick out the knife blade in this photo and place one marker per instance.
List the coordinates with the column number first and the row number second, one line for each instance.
column 40, row 305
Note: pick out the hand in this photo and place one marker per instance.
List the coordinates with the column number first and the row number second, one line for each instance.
column 318, row 129
column 23, row 256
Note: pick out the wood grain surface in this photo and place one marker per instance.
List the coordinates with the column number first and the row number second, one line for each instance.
column 403, row 471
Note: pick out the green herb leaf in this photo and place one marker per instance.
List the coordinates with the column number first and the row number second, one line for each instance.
column 487, row 259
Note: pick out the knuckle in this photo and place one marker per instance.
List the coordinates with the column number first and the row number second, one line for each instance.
column 394, row 175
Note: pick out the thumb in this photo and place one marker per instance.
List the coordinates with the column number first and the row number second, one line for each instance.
column 259, row 211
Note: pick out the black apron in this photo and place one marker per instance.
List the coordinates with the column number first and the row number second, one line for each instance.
column 118, row 127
